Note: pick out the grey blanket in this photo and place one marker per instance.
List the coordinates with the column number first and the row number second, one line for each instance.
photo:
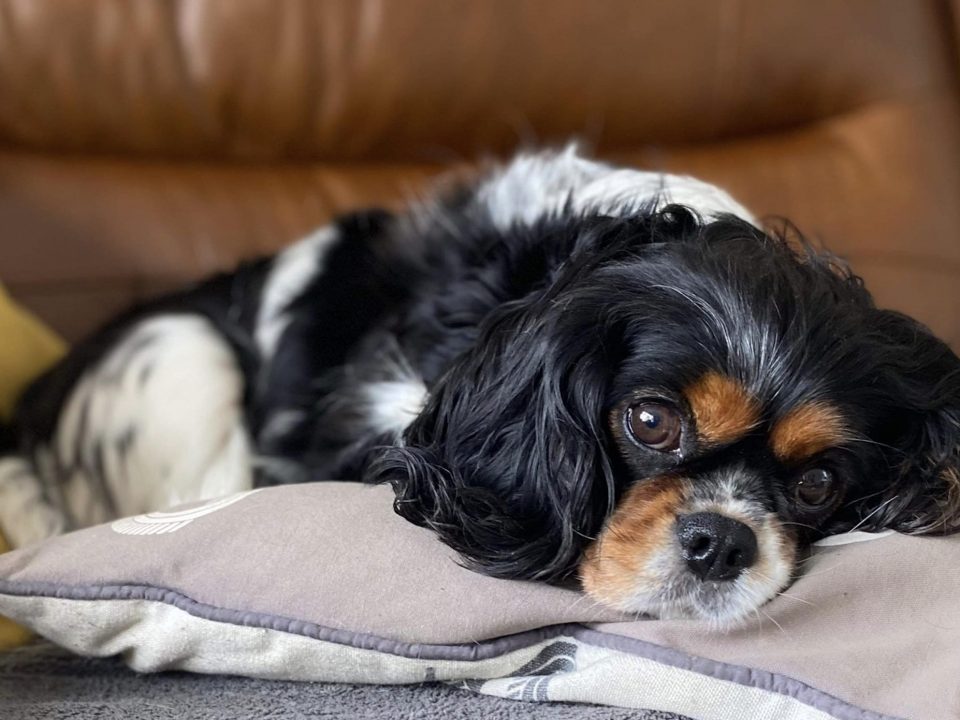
column 42, row 682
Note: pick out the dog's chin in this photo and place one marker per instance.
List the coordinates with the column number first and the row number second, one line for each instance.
column 722, row 605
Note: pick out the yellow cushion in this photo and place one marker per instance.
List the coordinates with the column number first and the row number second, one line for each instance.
column 27, row 348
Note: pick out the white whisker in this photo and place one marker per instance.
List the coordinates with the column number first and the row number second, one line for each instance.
column 781, row 592
column 824, row 571
column 877, row 509
column 779, row 626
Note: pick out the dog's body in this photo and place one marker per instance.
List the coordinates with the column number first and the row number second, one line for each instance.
column 559, row 370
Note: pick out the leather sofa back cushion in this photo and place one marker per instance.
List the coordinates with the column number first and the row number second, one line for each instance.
column 145, row 144
column 437, row 80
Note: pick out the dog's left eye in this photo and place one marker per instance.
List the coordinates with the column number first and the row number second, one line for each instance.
column 815, row 488
column 655, row 425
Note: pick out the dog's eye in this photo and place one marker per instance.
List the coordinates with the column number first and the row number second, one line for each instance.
column 815, row 487
column 655, row 425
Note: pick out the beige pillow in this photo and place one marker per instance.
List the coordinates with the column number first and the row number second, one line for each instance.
column 324, row 582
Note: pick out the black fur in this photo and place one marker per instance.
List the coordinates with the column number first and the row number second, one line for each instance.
column 512, row 463
column 528, row 338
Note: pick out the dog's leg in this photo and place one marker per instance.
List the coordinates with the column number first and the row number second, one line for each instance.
column 157, row 421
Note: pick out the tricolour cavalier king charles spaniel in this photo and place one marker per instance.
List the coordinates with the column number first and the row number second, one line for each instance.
column 566, row 370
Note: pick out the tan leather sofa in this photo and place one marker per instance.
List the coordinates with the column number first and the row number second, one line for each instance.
column 145, row 142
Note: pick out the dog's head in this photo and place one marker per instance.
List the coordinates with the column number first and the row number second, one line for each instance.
column 675, row 411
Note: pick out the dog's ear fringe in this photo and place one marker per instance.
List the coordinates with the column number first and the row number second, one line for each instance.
column 472, row 520
column 932, row 507
column 505, row 463
column 950, row 507
column 914, row 507
column 924, row 372
column 917, row 508
column 947, row 516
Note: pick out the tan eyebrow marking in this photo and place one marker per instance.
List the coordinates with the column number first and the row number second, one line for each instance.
column 807, row 430
column 723, row 409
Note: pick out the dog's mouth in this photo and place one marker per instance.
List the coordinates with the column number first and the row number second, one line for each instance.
column 664, row 555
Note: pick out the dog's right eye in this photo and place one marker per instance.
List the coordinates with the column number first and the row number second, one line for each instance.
column 655, row 425
column 815, row 488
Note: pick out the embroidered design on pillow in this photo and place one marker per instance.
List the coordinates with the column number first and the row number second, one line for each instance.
column 159, row 523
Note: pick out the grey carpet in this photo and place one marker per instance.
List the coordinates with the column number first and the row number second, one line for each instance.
column 42, row 682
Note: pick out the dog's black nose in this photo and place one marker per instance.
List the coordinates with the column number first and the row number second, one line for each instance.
column 714, row 546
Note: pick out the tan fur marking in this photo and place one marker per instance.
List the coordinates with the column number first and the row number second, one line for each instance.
column 807, row 430
column 722, row 407
column 614, row 564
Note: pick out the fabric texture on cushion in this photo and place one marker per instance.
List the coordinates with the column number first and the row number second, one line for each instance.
column 324, row 582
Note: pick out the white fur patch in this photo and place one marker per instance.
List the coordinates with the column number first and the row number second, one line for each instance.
column 25, row 515
column 292, row 271
column 394, row 404
column 156, row 423
column 534, row 186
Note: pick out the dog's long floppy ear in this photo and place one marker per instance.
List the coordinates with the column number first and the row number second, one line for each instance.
column 923, row 436
column 506, row 463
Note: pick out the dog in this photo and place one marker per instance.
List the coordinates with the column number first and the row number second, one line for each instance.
column 568, row 371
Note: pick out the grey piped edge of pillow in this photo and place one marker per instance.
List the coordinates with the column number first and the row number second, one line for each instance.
column 482, row 650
